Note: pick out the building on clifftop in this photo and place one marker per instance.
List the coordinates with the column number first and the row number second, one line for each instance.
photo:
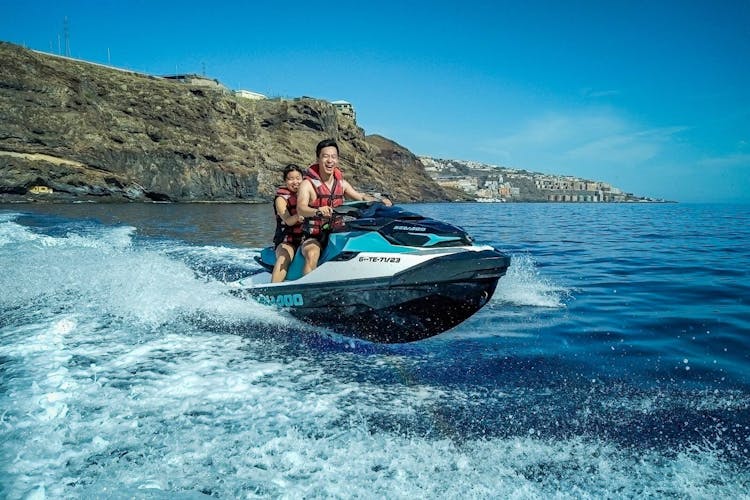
column 197, row 81
column 346, row 109
column 248, row 94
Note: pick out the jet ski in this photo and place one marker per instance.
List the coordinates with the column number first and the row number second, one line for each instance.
column 385, row 275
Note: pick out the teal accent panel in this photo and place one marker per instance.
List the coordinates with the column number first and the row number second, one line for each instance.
column 268, row 255
column 434, row 239
column 372, row 241
column 295, row 268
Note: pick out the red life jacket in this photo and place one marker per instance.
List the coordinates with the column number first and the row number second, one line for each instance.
column 325, row 197
column 287, row 234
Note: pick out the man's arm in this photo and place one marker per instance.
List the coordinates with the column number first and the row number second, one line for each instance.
column 353, row 194
column 304, row 197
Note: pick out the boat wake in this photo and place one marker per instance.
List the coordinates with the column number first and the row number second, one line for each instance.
column 108, row 272
column 524, row 285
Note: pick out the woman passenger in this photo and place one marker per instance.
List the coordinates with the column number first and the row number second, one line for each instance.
column 288, row 222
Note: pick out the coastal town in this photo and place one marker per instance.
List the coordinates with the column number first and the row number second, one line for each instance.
column 492, row 183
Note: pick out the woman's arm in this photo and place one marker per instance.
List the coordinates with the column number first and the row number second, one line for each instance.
column 282, row 208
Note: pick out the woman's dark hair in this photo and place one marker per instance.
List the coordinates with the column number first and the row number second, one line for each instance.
column 292, row 168
column 324, row 144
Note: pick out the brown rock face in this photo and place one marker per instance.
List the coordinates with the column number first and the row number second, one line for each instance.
column 94, row 132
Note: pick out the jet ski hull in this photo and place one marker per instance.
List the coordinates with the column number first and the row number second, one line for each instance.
column 413, row 304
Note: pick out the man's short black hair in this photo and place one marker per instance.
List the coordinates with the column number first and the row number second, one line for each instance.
column 325, row 143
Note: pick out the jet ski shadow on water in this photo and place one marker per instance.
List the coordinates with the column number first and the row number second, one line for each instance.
column 385, row 275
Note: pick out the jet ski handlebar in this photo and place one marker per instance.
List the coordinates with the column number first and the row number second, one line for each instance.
column 350, row 210
column 357, row 209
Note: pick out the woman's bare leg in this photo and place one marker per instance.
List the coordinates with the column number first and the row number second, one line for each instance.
column 284, row 256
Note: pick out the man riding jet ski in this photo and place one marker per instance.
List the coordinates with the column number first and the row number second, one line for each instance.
column 385, row 275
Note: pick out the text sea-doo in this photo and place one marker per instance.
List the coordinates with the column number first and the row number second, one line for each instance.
column 386, row 275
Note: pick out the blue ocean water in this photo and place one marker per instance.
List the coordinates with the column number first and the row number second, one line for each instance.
column 613, row 361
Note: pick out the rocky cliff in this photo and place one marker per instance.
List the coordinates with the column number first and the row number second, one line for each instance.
column 98, row 133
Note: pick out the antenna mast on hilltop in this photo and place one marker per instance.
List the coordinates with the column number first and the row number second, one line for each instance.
column 66, row 36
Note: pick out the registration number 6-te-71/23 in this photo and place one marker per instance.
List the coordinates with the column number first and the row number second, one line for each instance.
column 282, row 300
column 380, row 259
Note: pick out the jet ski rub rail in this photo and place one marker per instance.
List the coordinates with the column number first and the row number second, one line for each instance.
column 463, row 266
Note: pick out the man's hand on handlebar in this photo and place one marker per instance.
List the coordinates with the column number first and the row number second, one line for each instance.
column 324, row 212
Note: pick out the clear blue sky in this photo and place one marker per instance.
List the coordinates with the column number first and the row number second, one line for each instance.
column 652, row 96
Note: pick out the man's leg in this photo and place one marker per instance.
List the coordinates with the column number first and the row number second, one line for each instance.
column 311, row 251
